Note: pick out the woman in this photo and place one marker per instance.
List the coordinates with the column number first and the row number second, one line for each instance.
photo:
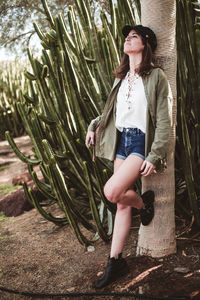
column 133, row 132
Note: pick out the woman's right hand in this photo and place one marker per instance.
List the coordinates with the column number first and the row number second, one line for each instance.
column 90, row 139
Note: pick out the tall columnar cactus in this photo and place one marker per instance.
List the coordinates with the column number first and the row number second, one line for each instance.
column 12, row 80
column 68, row 87
column 188, row 129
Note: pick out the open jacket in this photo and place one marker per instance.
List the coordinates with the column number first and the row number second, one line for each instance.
column 158, row 120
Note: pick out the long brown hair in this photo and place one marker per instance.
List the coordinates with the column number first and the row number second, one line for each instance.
column 145, row 66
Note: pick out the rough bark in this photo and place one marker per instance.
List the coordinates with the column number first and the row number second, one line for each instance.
column 158, row 238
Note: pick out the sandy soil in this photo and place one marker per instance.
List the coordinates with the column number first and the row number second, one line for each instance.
column 39, row 257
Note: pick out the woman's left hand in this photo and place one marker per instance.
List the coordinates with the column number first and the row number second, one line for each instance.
column 147, row 168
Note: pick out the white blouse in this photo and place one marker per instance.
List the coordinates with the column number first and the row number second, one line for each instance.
column 131, row 104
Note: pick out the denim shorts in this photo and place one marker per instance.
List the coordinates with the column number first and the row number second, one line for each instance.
column 132, row 141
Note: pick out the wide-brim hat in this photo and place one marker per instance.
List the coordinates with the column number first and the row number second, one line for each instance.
column 146, row 33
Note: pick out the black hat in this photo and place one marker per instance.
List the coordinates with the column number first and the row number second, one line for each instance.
column 145, row 32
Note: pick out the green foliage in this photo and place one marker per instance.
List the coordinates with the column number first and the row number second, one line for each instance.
column 188, row 125
column 4, row 167
column 12, row 80
column 16, row 18
column 4, row 237
column 68, row 86
column 2, row 216
column 8, row 188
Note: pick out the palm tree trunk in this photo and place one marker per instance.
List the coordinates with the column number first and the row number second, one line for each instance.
column 158, row 239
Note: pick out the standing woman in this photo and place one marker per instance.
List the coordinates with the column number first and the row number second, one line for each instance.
column 133, row 132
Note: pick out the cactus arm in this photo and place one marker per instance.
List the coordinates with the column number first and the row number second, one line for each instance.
column 93, row 205
column 44, row 213
column 48, row 13
column 30, row 76
column 21, row 156
column 63, row 196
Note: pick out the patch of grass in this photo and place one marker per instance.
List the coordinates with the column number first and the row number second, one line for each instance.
column 8, row 188
column 5, row 237
column 4, row 229
column 4, row 167
column 2, row 216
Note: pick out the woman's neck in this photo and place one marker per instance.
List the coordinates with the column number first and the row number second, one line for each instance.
column 134, row 62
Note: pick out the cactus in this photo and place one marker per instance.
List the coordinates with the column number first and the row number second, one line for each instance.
column 188, row 129
column 68, row 87
column 12, row 80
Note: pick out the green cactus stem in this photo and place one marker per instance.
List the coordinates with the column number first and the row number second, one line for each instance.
column 21, row 156
column 93, row 205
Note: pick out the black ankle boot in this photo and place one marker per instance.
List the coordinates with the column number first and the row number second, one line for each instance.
column 147, row 212
column 114, row 269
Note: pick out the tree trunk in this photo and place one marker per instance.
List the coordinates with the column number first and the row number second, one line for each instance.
column 158, row 238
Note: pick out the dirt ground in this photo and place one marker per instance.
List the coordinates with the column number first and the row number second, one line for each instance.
column 37, row 256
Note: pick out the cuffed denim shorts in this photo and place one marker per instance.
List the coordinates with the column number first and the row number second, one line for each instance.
column 132, row 141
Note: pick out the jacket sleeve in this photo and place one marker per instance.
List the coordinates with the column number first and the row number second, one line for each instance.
column 94, row 123
column 163, row 121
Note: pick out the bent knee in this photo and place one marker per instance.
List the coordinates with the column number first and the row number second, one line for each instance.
column 112, row 194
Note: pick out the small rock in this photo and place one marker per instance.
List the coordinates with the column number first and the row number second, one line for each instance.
column 161, row 259
column 183, row 253
column 90, row 248
column 16, row 203
column 99, row 274
column 181, row 270
column 71, row 289
column 167, row 271
column 140, row 290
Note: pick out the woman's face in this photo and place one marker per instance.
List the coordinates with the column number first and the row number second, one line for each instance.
column 133, row 43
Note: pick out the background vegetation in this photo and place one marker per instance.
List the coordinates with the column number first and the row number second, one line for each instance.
column 16, row 19
column 68, row 86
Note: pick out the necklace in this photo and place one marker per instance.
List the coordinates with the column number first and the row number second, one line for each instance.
column 132, row 79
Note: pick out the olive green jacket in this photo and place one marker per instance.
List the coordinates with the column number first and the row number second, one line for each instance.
column 158, row 120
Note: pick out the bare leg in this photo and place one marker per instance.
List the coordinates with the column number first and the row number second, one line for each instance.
column 123, row 217
column 117, row 188
column 121, row 230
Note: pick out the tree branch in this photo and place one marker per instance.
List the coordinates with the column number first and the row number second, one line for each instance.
column 28, row 41
column 17, row 37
